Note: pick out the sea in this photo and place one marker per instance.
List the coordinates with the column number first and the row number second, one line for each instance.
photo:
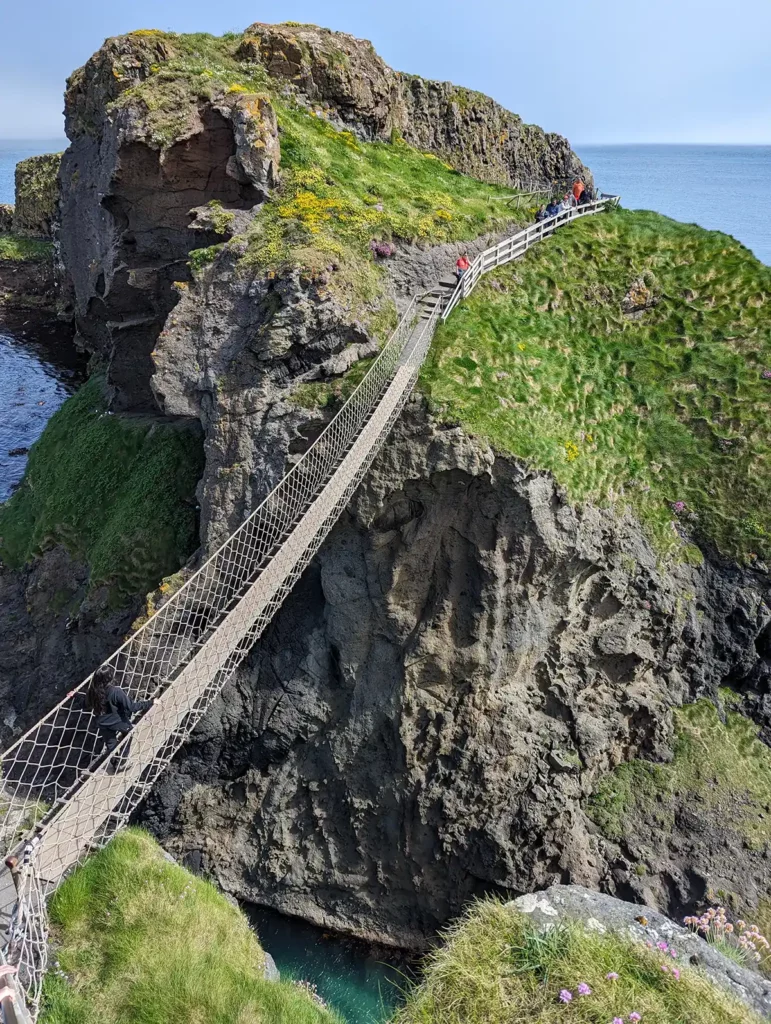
column 724, row 188
column 721, row 187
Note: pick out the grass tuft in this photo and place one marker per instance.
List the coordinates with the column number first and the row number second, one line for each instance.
column 23, row 250
column 117, row 492
column 495, row 968
column 723, row 769
column 626, row 355
column 142, row 941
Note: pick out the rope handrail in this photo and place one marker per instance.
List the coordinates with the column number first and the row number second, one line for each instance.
column 56, row 784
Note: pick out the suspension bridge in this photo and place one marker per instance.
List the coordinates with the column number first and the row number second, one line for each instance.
column 60, row 796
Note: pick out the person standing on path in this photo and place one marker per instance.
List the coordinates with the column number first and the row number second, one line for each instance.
column 462, row 266
column 578, row 190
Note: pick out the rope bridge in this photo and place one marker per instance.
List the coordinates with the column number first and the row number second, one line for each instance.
column 60, row 797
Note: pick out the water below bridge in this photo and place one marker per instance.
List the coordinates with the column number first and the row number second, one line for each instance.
column 361, row 982
column 39, row 369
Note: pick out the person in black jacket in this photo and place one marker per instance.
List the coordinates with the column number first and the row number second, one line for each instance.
column 111, row 707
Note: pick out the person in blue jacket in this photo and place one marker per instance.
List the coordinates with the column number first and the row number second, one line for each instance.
column 553, row 208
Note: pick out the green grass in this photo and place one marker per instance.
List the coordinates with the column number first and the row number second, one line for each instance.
column 723, row 770
column 117, row 492
column 184, row 68
column 18, row 249
column 543, row 362
column 337, row 193
column 142, row 941
column 494, row 968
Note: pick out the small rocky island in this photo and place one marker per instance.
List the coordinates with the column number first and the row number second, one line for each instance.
column 534, row 652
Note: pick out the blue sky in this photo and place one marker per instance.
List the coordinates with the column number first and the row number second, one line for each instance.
column 594, row 70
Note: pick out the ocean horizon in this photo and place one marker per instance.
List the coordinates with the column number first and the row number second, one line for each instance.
column 719, row 187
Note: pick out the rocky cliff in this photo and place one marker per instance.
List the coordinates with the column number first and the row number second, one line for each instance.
column 433, row 703
column 162, row 126
column 428, row 713
column 465, row 127
column 37, row 195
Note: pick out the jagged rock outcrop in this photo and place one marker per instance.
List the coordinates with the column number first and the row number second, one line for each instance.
column 37, row 195
column 129, row 199
column 6, row 218
column 467, row 128
column 427, row 712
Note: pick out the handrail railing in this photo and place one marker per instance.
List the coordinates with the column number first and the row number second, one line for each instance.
column 516, row 245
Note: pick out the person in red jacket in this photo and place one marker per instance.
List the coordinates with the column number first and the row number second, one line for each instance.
column 578, row 190
column 462, row 266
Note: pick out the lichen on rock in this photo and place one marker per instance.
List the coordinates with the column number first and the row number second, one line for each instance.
column 37, row 195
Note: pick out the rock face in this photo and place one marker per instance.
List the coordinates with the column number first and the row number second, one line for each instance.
column 467, row 653
column 27, row 282
column 41, row 655
column 427, row 711
column 466, row 128
column 129, row 200
column 37, row 194
column 6, row 218
column 597, row 912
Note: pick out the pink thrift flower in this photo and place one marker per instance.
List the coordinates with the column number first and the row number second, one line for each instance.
column 566, row 996
column 649, row 945
column 584, row 990
column 676, row 973
column 664, row 968
column 612, row 976
column 673, row 954
column 662, row 946
column 618, row 1020
column 634, row 1016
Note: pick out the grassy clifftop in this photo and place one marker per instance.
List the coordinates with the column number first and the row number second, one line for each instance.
column 496, row 969
column 139, row 940
column 631, row 356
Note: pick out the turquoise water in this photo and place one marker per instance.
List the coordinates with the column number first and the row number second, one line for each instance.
column 361, row 983
column 721, row 187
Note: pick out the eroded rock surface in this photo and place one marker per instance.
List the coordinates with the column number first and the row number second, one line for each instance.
column 53, row 632
column 37, row 195
column 466, row 128
column 129, row 199
column 428, row 710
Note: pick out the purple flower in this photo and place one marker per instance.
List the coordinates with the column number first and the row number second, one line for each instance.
column 618, row 1020
column 662, row 945
column 382, row 249
column 664, row 968
column 676, row 973
column 766, row 375
column 673, row 954
column 566, row 996
column 584, row 990
column 611, row 976
column 635, row 1016
column 678, row 507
